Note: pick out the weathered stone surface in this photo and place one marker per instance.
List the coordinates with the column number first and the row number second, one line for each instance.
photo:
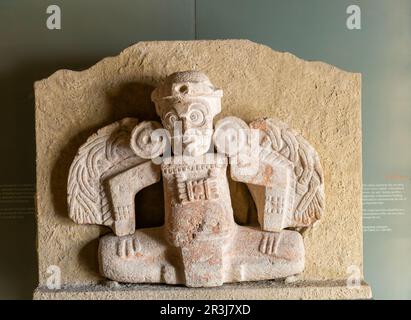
column 146, row 257
column 261, row 290
column 320, row 101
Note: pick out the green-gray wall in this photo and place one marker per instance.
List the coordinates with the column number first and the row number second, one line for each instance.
column 311, row 29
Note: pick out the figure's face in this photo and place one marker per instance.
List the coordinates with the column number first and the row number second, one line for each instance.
column 190, row 124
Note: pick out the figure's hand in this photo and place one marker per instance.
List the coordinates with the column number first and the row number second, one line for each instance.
column 124, row 227
column 125, row 221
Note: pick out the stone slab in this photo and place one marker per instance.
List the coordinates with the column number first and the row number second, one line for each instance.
column 320, row 101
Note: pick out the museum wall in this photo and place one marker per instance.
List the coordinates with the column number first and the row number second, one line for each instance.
column 312, row 30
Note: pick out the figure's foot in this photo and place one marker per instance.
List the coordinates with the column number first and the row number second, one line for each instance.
column 284, row 245
column 268, row 243
column 128, row 247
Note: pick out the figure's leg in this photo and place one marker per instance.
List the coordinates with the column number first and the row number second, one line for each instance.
column 261, row 255
column 143, row 257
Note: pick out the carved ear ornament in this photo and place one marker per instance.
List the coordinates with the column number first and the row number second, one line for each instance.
column 149, row 139
column 230, row 135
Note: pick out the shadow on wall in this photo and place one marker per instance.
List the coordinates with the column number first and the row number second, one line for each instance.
column 130, row 100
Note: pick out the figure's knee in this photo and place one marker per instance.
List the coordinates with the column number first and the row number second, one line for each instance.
column 287, row 244
column 142, row 243
column 140, row 257
column 259, row 255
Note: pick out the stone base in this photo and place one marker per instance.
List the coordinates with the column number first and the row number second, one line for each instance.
column 262, row 290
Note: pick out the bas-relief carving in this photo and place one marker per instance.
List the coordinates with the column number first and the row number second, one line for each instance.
column 199, row 244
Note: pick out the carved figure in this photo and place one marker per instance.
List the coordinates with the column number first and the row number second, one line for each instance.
column 199, row 245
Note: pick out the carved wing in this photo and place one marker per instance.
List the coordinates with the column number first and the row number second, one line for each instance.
column 105, row 154
column 307, row 171
column 287, row 184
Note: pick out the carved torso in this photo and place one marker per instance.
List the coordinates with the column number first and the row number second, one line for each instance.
column 197, row 197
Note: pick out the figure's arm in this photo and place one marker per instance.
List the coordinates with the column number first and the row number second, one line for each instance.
column 269, row 178
column 281, row 169
column 123, row 187
column 268, row 174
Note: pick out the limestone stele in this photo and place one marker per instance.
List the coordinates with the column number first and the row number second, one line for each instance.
column 199, row 160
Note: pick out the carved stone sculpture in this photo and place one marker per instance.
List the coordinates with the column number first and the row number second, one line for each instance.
column 200, row 244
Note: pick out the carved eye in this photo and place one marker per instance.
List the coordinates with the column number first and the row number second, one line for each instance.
column 196, row 117
column 170, row 119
